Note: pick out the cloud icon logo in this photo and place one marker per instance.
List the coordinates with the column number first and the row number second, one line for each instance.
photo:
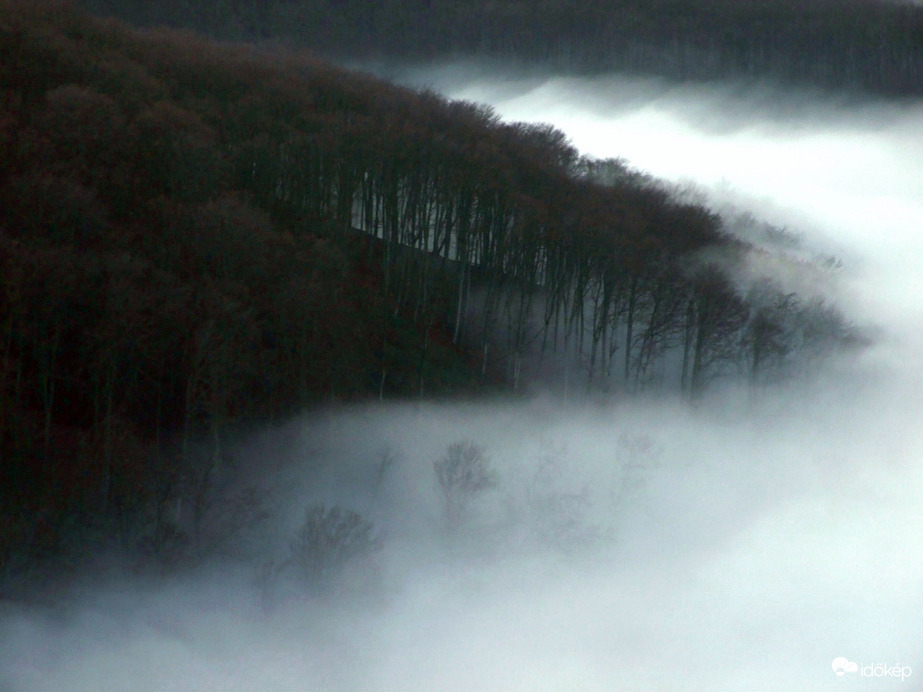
column 841, row 666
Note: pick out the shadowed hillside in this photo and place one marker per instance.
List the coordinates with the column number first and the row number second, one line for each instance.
column 197, row 237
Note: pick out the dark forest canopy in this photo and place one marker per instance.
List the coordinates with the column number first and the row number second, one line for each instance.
column 196, row 236
column 870, row 45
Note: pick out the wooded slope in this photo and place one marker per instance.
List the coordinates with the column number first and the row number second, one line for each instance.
column 196, row 236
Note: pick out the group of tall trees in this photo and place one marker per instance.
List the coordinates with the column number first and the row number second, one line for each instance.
column 193, row 236
column 875, row 45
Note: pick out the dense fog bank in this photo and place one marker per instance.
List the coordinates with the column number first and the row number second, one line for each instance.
column 636, row 546
column 838, row 172
column 746, row 542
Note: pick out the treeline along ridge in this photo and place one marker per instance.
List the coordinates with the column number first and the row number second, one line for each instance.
column 197, row 236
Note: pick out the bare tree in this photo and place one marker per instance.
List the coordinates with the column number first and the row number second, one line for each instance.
column 328, row 540
column 463, row 472
column 387, row 460
column 557, row 507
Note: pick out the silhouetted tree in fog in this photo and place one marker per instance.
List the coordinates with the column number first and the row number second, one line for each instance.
column 463, row 472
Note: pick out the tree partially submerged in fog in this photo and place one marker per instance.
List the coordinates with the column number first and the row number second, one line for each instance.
column 195, row 237
column 715, row 317
column 197, row 517
column 769, row 337
column 388, row 458
column 557, row 509
column 823, row 328
column 463, row 472
column 564, row 511
column 638, row 453
column 328, row 541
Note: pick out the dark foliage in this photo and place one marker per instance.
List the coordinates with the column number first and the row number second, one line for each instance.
column 196, row 236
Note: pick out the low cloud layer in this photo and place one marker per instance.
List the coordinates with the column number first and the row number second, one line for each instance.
column 745, row 543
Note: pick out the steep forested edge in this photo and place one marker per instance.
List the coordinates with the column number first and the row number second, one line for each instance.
column 195, row 237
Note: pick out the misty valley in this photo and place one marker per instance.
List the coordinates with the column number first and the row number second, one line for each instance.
column 441, row 371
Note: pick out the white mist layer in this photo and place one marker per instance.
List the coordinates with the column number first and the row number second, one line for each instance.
column 739, row 545
column 845, row 170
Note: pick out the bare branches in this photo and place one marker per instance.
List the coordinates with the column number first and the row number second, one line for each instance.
column 327, row 541
column 463, row 472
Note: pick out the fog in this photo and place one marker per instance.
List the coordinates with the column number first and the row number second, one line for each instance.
column 745, row 543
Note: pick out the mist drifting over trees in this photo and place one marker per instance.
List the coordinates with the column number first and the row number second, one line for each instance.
column 198, row 237
column 310, row 379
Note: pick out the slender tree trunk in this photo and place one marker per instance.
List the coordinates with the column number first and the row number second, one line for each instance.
column 629, row 328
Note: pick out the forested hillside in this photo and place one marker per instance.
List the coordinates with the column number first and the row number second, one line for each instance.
column 874, row 45
column 196, row 236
